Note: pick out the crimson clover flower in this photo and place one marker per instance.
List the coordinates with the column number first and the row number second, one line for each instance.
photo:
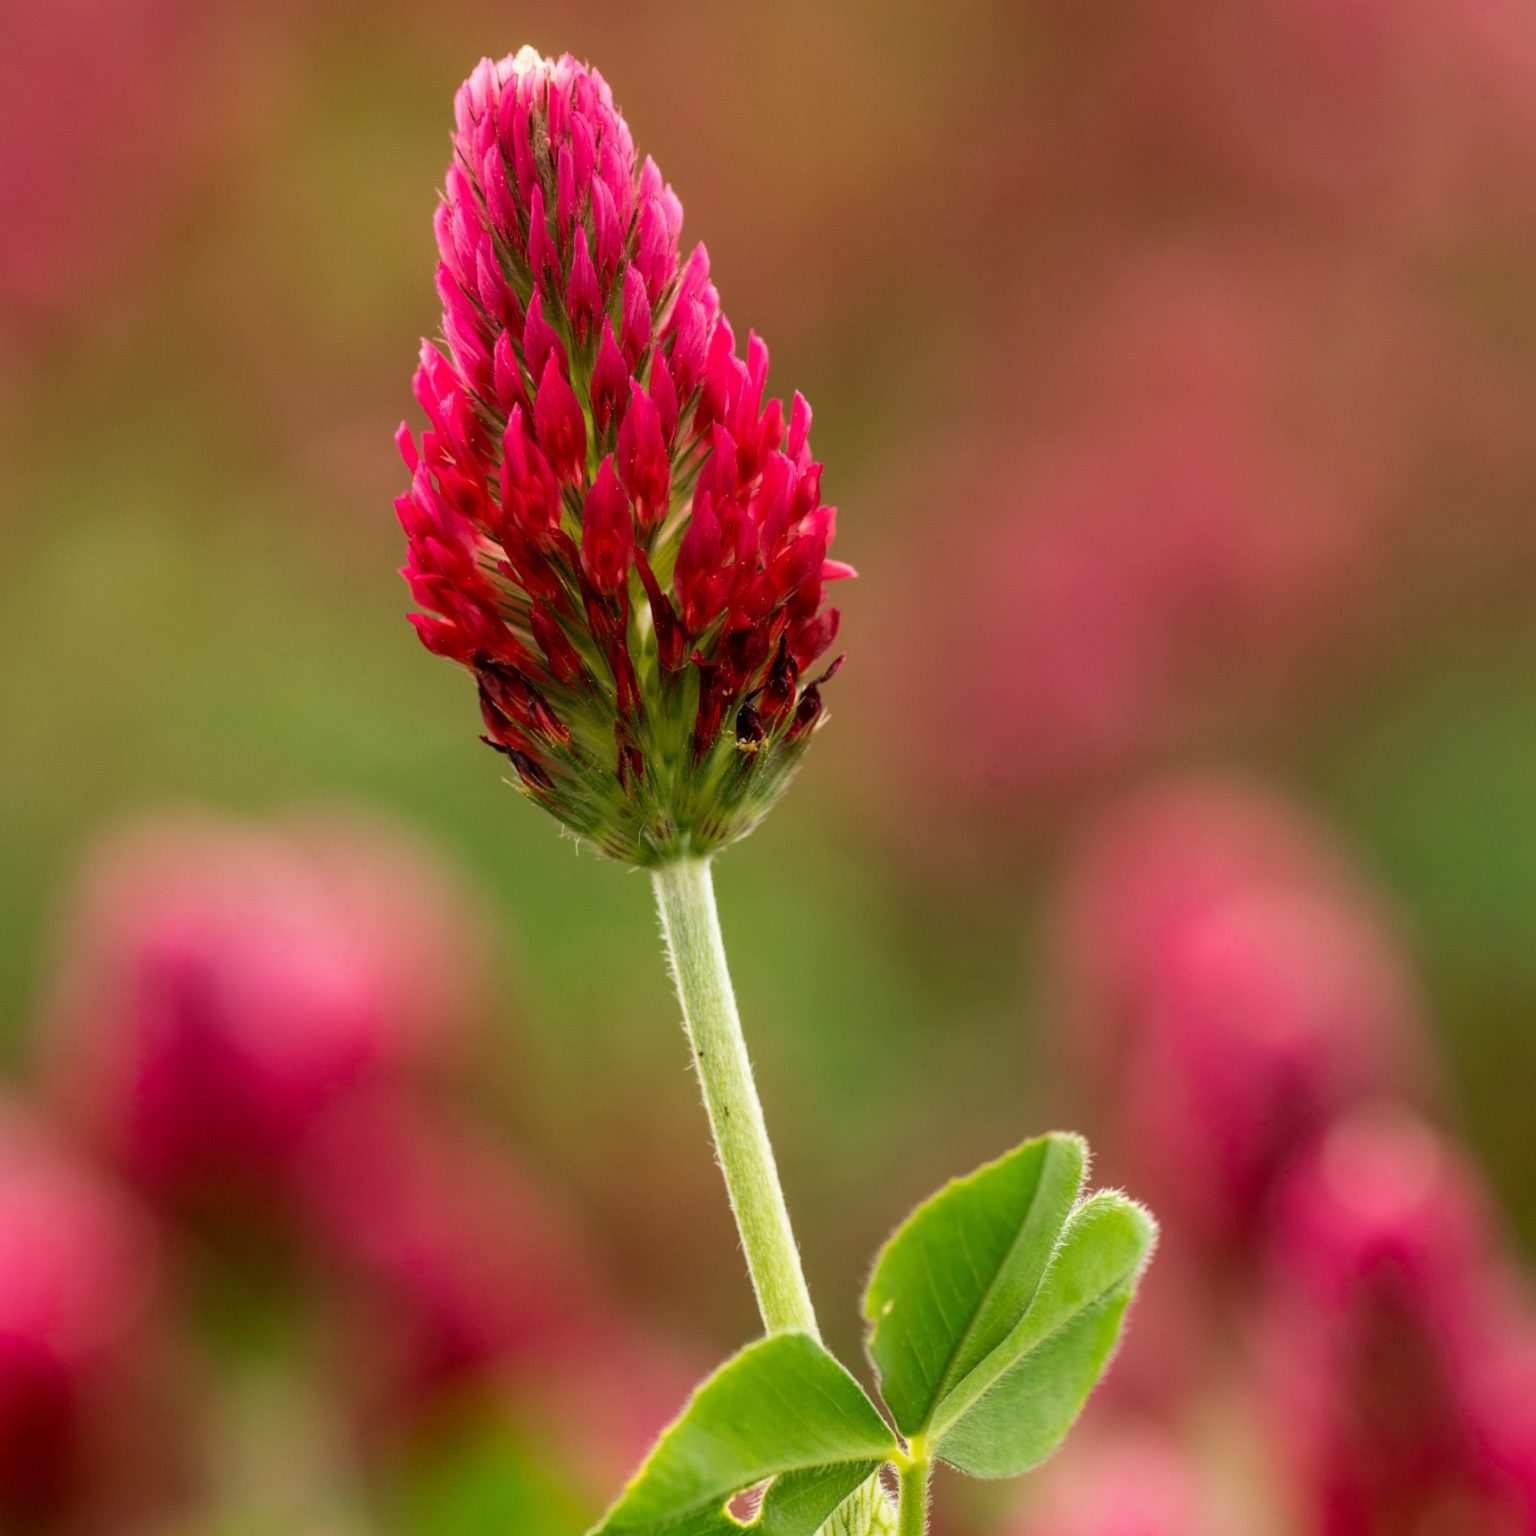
column 607, row 524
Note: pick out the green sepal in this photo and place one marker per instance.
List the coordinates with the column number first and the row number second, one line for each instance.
column 782, row 1410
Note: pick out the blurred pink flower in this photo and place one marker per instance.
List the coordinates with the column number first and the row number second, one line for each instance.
column 465, row 1257
column 1383, row 1277
column 1128, row 1482
column 227, row 985
column 462, row 1281
column 1503, row 1393
column 1187, row 537
column 1163, row 859
column 99, row 122
column 256, row 1019
column 1262, row 1021
column 1228, row 988
column 87, row 1432
column 1376, row 112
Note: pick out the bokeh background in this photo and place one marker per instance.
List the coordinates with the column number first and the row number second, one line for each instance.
column 1174, row 367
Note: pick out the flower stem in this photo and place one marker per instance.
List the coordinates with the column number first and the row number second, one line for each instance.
column 685, row 894
column 912, row 1513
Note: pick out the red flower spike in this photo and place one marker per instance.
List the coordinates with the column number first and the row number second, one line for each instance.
column 583, row 297
column 663, row 393
column 588, row 373
column 607, row 236
column 540, row 340
column 607, row 532
column 643, row 463
column 561, row 655
column 610, row 380
column 507, row 377
column 636, row 318
column 528, row 490
column 542, row 257
column 562, row 431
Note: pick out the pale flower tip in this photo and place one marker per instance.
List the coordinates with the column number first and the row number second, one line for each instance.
column 526, row 61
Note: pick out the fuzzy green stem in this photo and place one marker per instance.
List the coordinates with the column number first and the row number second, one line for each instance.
column 685, row 894
column 912, row 1509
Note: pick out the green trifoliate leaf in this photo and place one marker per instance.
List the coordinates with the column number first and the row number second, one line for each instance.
column 1013, row 1409
column 953, row 1283
column 783, row 1409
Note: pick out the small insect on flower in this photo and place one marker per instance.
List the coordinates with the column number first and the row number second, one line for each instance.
column 607, row 523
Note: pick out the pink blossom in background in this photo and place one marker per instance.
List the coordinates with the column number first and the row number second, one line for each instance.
column 1227, row 987
column 1127, row 1481
column 227, row 985
column 101, row 122
column 1378, row 115
column 460, row 1279
column 1503, row 1394
column 1203, row 470
column 467, row 1258
column 257, row 1019
column 1289, row 348
column 1161, row 861
column 1262, row 1021
column 88, row 1431
column 1376, row 1341
column 1182, row 546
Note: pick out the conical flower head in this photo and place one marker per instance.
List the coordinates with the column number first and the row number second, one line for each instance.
column 607, row 522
